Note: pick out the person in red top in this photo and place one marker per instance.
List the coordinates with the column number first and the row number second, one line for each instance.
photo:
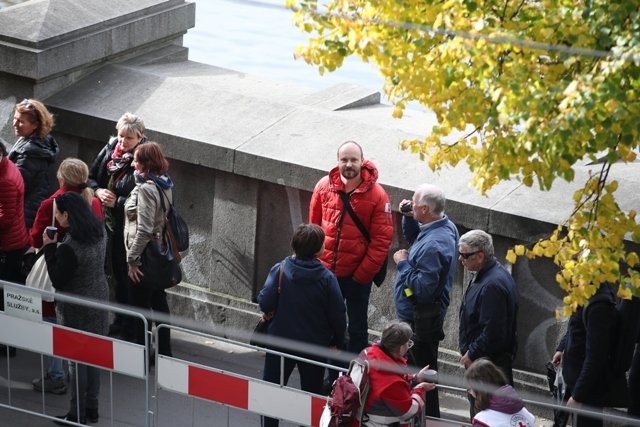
column 353, row 258
column 394, row 396
column 14, row 240
column 72, row 176
column 13, row 232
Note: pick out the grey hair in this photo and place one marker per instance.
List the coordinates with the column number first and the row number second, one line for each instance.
column 131, row 123
column 394, row 335
column 431, row 196
column 478, row 240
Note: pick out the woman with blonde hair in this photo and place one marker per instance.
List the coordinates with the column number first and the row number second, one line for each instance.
column 33, row 153
column 72, row 176
column 111, row 176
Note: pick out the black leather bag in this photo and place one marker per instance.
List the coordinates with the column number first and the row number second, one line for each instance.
column 378, row 279
column 160, row 266
column 259, row 335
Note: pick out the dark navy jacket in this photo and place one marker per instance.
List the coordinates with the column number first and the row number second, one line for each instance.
column 488, row 313
column 309, row 308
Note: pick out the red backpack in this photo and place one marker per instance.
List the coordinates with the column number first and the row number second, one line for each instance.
column 345, row 408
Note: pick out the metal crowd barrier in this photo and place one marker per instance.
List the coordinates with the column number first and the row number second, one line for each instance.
column 245, row 392
column 22, row 327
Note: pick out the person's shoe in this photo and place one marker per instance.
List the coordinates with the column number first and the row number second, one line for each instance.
column 92, row 415
column 69, row 417
column 50, row 385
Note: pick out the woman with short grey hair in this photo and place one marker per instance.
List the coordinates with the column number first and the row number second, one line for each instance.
column 394, row 397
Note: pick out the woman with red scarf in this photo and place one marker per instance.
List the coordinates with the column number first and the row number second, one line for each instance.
column 111, row 178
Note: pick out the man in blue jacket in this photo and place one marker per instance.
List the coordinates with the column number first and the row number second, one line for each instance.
column 425, row 275
column 489, row 308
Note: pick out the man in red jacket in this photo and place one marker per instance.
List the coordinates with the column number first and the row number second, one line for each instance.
column 349, row 254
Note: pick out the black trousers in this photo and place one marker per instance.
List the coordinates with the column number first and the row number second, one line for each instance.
column 427, row 333
column 11, row 269
column 634, row 384
column 155, row 300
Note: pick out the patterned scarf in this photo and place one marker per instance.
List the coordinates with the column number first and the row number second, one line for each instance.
column 118, row 160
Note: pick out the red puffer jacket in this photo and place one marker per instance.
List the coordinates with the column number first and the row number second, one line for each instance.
column 13, row 232
column 347, row 252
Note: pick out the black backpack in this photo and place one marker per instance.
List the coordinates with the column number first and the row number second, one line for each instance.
column 624, row 331
column 623, row 342
column 177, row 225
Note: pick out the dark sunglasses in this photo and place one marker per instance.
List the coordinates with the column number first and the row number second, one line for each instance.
column 25, row 102
column 468, row 254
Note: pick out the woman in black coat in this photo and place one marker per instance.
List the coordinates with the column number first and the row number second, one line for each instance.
column 33, row 153
column 111, row 177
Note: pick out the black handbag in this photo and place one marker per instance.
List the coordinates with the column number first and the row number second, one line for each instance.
column 259, row 335
column 378, row 279
column 160, row 266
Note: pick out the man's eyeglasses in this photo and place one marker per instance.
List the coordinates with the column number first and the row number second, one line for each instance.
column 25, row 102
column 409, row 344
column 468, row 254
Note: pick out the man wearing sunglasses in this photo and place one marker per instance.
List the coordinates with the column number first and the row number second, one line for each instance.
column 489, row 308
column 425, row 276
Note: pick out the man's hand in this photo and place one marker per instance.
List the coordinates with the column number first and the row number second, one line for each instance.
column 466, row 360
column 406, row 208
column 400, row 255
column 557, row 359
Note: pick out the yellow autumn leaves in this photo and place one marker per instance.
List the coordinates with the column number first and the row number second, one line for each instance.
column 533, row 87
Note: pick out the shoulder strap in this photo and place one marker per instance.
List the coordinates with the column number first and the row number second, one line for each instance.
column 280, row 273
column 354, row 217
column 162, row 197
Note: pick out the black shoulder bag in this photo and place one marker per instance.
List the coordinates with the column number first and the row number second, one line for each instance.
column 378, row 279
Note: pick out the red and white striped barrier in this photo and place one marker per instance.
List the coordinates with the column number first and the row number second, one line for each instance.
column 239, row 391
column 55, row 340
